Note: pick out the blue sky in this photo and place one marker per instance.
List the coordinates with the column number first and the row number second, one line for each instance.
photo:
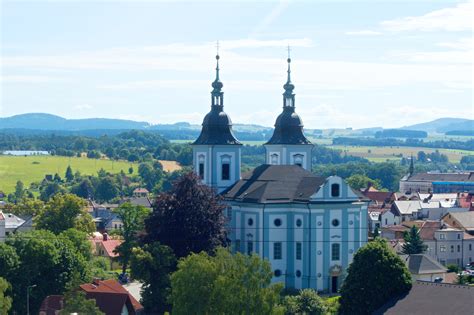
column 355, row 64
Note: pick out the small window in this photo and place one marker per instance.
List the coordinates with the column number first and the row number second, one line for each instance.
column 249, row 247
column 459, row 236
column 386, row 221
column 335, row 190
column 452, row 248
column 470, row 246
column 459, row 248
column 274, row 159
column 201, row 170
column 298, row 159
column 442, row 236
column 298, row 251
column 277, row 222
column 277, row 273
column 335, row 222
column 277, row 250
column 335, row 251
column 225, row 171
column 250, row 222
column 298, row 222
column 442, row 248
column 298, row 273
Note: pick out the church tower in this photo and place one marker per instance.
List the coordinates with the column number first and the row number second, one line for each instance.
column 216, row 152
column 289, row 145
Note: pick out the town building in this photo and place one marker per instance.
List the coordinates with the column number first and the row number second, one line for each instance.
column 308, row 227
column 438, row 182
column 425, row 268
column 461, row 220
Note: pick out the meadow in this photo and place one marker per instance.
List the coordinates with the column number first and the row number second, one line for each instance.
column 30, row 169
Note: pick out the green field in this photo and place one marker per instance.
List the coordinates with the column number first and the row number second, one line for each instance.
column 33, row 168
column 380, row 154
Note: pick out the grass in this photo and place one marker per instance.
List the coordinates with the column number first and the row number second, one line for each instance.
column 379, row 154
column 33, row 168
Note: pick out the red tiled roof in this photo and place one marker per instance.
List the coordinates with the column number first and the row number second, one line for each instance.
column 111, row 297
column 109, row 246
column 140, row 190
column 379, row 196
column 51, row 304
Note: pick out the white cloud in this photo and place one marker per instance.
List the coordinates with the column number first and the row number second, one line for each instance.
column 364, row 33
column 458, row 18
column 82, row 107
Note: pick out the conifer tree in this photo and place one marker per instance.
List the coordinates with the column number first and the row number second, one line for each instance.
column 413, row 242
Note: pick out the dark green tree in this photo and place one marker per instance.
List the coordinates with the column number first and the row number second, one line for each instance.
column 152, row 264
column 69, row 174
column 106, row 189
column 133, row 219
column 50, row 189
column 376, row 275
column 413, row 242
column 189, row 218
column 306, row 302
column 19, row 190
column 76, row 302
column 84, row 189
column 5, row 300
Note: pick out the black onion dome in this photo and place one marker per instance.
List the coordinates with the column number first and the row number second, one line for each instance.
column 216, row 129
column 288, row 129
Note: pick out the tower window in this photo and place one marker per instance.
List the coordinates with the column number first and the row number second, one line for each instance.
column 298, row 250
column 298, row 159
column 335, row 190
column 201, row 170
column 274, row 159
column 335, row 251
column 225, row 171
column 249, row 247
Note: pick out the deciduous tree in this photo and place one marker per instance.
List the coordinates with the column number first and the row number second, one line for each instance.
column 5, row 300
column 189, row 218
column 376, row 275
column 75, row 302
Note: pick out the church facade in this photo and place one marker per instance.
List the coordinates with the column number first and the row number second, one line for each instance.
column 308, row 227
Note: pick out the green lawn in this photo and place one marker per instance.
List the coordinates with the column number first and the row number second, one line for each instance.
column 34, row 168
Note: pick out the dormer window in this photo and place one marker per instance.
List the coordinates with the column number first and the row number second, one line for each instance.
column 335, row 190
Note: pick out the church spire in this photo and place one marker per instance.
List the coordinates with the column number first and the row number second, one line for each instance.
column 217, row 94
column 288, row 95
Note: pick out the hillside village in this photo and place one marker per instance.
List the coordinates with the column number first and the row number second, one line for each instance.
column 304, row 230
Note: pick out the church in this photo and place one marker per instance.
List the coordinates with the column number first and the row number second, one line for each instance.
column 308, row 227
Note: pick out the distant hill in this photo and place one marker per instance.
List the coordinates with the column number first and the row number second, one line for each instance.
column 40, row 121
column 443, row 125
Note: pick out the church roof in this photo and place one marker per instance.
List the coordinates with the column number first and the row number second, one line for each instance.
column 288, row 125
column 217, row 126
column 275, row 184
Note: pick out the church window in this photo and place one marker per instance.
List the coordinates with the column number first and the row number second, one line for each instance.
column 277, row 273
column 335, row 251
column 250, row 222
column 201, row 170
column 335, row 222
column 274, row 159
column 225, row 171
column 289, row 101
column 335, row 190
column 298, row 250
column 298, row 273
column 277, row 250
column 298, row 159
column 277, row 222
column 249, row 247
column 298, row 222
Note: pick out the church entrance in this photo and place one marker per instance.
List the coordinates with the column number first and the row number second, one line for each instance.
column 334, row 284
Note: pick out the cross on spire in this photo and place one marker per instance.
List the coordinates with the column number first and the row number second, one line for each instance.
column 217, row 47
column 289, row 50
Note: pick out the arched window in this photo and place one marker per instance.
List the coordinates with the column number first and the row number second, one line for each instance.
column 225, row 167
column 274, row 159
column 298, row 159
column 335, row 190
column 201, row 160
column 335, row 251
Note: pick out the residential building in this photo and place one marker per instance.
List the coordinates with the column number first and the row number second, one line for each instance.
column 431, row 298
column 105, row 247
column 141, row 192
column 424, row 267
column 438, row 182
column 462, row 220
column 9, row 223
column 110, row 297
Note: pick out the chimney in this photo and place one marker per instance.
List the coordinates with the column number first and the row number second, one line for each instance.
column 105, row 236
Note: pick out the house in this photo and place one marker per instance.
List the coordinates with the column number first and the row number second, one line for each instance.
column 435, row 206
column 424, row 267
column 105, row 247
column 308, row 227
column 431, row 298
column 393, row 232
column 2, row 227
column 462, row 220
column 141, row 192
column 9, row 223
column 438, row 182
column 110, row 297
column 404, row 210
column 104, row 216
column 143, row 201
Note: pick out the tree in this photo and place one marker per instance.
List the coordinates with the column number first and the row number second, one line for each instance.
column 365, row 288
column 49, row 190
column 27, row 206
column 84, row 189
column 50, row 262
column 413, row 242
column 76, row 302
column 106, row 189
column 80, row 241
column 223, row 284
column 64, row 212
column 152, row 264
column 189, row 218
column 306, row 302
column 5, row 301
column 69, row 174
column 358, row 182
column 19, row 190
column 133, row 219
column 9, row 260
